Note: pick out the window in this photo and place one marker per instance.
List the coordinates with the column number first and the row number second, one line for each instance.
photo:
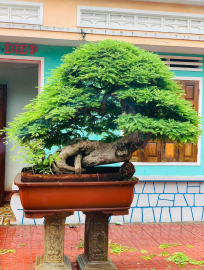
column 186, row 63
column 169, row 151
column 21, row 12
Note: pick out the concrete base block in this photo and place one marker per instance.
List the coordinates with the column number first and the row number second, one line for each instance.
column 40, row 265
column 84, row 264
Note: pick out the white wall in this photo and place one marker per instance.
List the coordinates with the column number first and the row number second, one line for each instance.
column 21, row 80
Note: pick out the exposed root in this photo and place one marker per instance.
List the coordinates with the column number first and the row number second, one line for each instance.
column 77, row 164
column 55, row 168
column 93, row 153
column 127, row 170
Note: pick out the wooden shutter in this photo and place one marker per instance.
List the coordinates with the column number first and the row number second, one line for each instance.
column 136, row 156
column 151, row 153
column 170, row 151
column 2, row 145
column 188, row 151
column 192, row 92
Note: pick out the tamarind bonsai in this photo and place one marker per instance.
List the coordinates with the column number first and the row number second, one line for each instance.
column 119, row 93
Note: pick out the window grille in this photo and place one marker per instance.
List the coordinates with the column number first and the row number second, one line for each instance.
column 21, row 12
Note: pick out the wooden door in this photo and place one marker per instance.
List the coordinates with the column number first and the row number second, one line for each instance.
column 170, row 151
column 2, row 145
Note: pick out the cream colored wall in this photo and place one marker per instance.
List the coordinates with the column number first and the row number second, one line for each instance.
column 63, row 13
column 21, row 80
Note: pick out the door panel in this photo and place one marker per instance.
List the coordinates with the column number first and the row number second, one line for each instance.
column 151, row 153
column 169, row 152
column 2, row 145
column 136, row 156
column 191, row 91
column 188, row 151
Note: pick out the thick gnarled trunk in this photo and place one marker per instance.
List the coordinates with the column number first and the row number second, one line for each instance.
column 94, row 153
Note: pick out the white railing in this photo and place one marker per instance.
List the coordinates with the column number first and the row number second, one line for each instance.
column 21, row 12
column 143, row 20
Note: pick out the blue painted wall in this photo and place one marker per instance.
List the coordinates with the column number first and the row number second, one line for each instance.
column 53, row 54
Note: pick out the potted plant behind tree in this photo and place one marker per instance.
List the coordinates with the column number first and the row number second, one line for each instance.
column 101, row 89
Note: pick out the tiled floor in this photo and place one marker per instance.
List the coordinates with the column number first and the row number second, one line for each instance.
column 142, row 237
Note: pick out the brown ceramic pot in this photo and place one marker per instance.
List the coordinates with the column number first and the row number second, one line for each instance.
column 41, row 199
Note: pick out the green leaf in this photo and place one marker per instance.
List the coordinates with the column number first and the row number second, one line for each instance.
column 148, row 257
column 181, row 259
column 164, row 253
column 118, row 249
column 81, row 244
column 5, row 251
column 143, row 251
column 168, row 245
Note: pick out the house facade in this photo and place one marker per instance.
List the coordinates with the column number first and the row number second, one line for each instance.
column 35, row 35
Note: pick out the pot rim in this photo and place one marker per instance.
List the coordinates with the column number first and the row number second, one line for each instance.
column 114, row 178
column 18, row 182
column 73, row 175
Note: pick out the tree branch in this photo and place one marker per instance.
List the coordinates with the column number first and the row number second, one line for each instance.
column 105, row 98
column 88, row 110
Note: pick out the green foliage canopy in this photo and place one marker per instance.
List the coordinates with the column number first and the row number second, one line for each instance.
column 142, row 98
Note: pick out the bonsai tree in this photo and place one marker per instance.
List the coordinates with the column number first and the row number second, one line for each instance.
column 111, row 91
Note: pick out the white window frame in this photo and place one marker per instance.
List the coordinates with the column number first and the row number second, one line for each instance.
column 200, row 80
column 28, row 60
column 140, row 12
column 24, row 4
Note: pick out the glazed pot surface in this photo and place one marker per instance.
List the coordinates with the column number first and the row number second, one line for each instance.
column 51, row 197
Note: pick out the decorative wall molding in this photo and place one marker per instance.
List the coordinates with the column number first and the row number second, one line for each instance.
column 103, row 32
column 21, row 12
column 142, row 20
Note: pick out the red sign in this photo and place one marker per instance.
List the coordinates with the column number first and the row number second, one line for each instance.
column 20, row 49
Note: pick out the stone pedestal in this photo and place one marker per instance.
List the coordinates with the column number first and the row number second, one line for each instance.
column 53, row 257
column 95, row 243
